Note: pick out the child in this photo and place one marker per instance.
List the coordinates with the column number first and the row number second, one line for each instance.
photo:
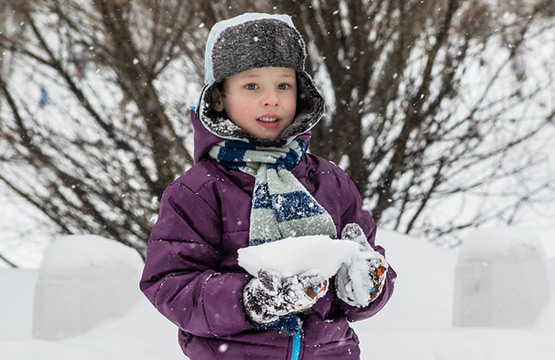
column 253, row 183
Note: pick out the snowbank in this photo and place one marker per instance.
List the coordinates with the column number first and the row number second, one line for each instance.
column 424, row 289
column 415, row 325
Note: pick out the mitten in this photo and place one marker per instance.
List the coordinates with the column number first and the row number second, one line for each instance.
column 269, row 296
column 361, row 281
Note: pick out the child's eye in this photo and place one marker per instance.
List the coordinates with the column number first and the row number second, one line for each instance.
column 284, row 86
column 251, row 86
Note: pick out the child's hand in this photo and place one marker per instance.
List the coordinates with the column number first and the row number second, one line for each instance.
column 361, row 282
column 268, row 296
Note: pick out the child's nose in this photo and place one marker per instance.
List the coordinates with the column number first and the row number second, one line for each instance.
column 270, row 98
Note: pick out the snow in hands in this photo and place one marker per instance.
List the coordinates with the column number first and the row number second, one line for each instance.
column 305, row 255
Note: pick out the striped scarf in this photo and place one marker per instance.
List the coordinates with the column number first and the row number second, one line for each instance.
column 281, row 206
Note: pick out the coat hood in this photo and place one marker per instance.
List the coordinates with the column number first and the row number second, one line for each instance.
column 245, row 42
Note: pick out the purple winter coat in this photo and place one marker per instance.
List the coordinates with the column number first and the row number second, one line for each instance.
column 192, row 276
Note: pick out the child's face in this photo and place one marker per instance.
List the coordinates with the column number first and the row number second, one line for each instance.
column 261, row 101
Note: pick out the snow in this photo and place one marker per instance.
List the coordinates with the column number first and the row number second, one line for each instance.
column 501, row 279
column 87, row 252
column 141, row 334
column 496, row 242
column 16, row 303
column 83, row 280
column 303, row 255
column 416, row 324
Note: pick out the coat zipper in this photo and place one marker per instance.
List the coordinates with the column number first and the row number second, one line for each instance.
column 296, row 346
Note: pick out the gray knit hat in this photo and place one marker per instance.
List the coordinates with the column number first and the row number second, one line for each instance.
column 254, row 40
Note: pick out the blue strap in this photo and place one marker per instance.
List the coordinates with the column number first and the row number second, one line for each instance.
column 296, row 347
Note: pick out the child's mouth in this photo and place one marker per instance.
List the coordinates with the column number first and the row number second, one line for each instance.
column 268, row 122
column 267, row 119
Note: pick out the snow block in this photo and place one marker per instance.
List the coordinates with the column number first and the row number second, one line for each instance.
column 501, row 279
column 16, row 303
column 83, row 280
column 551, row 266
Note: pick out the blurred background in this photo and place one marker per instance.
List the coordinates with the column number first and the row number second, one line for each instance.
column 441, row 111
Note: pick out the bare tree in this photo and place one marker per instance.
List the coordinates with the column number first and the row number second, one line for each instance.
column 93, row 115
column 97, row 155
column 419, row 99
column 93, row 123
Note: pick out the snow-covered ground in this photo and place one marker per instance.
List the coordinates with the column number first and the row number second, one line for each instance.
column 416, row 324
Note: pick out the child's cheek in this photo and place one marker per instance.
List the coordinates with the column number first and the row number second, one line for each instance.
column 246, row 109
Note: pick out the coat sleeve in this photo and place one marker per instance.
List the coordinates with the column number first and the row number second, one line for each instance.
column 181, row 276
column 353, row 211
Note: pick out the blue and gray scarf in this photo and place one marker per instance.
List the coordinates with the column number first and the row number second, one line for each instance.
column 281, row 206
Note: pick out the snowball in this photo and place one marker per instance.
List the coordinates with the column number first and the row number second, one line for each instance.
column 306, row 255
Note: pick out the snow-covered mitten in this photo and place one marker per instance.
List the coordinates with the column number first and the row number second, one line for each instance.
column 269, row 296
column 360, row 282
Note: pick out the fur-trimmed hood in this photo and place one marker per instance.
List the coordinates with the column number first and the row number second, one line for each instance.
column 250, row 41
